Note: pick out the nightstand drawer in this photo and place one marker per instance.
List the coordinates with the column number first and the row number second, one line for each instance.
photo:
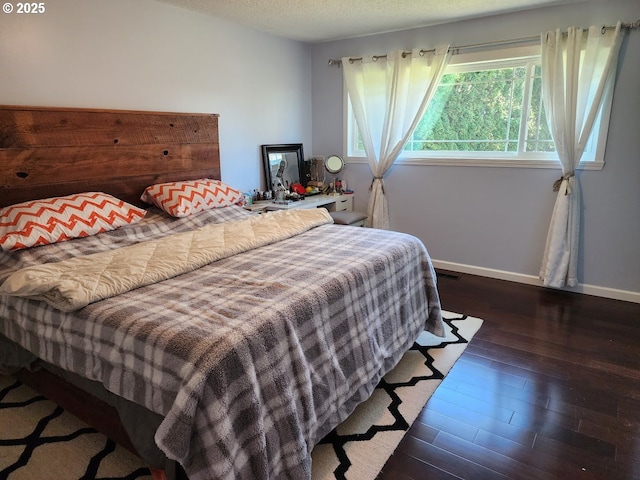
column 343, row 203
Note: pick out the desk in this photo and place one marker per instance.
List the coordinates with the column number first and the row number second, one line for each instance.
column 333, row 203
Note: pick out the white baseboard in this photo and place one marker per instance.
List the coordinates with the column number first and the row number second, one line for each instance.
column 616, row 294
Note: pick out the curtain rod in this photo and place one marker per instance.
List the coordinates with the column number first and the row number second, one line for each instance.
column 456, row 50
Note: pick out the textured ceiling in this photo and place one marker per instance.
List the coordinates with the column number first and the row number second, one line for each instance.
column 322, row 20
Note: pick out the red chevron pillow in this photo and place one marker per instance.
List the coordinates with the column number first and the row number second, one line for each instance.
column 57, row 219
column 181, row 199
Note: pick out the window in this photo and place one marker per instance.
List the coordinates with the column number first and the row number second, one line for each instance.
column 487, row 110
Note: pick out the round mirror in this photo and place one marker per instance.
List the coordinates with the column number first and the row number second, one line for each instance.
column 334, row 164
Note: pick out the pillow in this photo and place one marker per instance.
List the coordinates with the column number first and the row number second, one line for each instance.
column 56, row 219
column 181, row 199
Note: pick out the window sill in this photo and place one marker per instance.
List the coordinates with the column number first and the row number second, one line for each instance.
column 484, row 162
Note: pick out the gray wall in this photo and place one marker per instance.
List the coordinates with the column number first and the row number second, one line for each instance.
column 494, row 221
column 147, row 55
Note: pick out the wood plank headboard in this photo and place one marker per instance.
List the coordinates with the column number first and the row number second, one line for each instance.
column 47, row 152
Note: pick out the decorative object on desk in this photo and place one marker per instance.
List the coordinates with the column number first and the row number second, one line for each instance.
column 280, row 193
column 282, row 164
column 334, row 165
column 297, row 188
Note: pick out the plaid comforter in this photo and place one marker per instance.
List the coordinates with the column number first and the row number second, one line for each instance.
column 251, row 359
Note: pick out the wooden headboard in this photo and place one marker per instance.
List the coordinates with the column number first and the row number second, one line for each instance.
column 46, row 152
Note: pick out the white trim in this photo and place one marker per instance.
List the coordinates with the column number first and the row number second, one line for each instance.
column 499, row 55
column 484, row 162
column 606, row 292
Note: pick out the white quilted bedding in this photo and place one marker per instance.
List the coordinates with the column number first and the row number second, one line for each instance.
column 75, row 283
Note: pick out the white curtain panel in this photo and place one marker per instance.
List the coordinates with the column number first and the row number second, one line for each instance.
column 577, row 69
column 388, row 97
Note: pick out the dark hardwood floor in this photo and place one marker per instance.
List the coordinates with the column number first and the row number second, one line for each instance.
column 549, row 388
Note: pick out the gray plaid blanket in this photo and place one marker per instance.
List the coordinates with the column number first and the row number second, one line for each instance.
column 252, row 359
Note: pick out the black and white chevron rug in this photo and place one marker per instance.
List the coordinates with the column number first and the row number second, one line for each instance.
column 40, row 441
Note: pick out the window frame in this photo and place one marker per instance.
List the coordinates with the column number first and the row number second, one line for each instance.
column 529, row 54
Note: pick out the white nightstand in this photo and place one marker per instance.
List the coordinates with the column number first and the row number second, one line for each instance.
column 344, row 203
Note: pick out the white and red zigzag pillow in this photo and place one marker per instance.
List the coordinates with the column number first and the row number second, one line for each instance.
column 181, row 199
column 57, row 219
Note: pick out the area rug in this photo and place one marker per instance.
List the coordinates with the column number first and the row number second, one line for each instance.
column 40, row 441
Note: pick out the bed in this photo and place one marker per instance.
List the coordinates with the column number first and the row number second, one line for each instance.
column 235, row 368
